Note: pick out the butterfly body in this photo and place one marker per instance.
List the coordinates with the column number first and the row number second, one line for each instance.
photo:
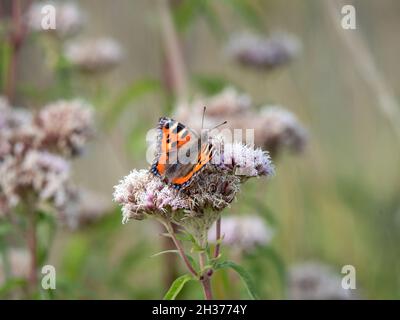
column 181, row 153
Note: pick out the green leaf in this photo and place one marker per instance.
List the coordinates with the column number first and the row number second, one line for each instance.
column 163, row 252
column 244, row 276
column 177, row 286
column 130, row 94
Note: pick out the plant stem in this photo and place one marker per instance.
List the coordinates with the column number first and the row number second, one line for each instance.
column 32, row 247
column 16, row 38
column 218, row 238
column 180, row 248
column 205, row 278
column 174, row 66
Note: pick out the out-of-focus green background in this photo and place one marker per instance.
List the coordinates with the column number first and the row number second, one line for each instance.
column 338, row 202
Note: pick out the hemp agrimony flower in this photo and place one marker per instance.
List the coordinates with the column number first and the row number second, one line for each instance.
column 195, row 208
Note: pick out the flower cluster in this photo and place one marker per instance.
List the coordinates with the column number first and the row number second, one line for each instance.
column 65, row 125
column 85, row 54
column 244, row 232
column 142, row 194
column 91, row 55
column 263, row 52
column 275, row 128
column 33, row 149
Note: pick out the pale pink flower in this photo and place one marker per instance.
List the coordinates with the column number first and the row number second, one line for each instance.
column 195, row 208
column 92, row 55
column 39, row 173
column 263, row 52
column 65, row 126
column 279, row 129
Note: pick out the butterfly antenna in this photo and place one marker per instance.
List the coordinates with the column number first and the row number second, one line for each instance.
column 202, row 119
column 221, row 124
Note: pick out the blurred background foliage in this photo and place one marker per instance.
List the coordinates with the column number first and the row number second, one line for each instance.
column 338, row 202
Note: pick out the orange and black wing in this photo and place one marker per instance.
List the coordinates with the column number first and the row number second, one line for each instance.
column 181, row 181
column 171, row 136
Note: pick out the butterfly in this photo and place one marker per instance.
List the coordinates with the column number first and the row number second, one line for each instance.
column 181, row 153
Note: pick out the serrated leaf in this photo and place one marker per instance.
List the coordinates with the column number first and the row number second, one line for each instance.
column 177, row 287
column 244, row 276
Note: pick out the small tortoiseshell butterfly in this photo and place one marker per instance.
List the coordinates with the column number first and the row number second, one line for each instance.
column 181, row 153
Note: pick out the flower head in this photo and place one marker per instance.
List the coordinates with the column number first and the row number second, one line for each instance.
column 65, row 126
column 243, row 232
column 261, row 52
column 38, row 172
column 92, row 55
column 142, row 194
column 279, row 129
